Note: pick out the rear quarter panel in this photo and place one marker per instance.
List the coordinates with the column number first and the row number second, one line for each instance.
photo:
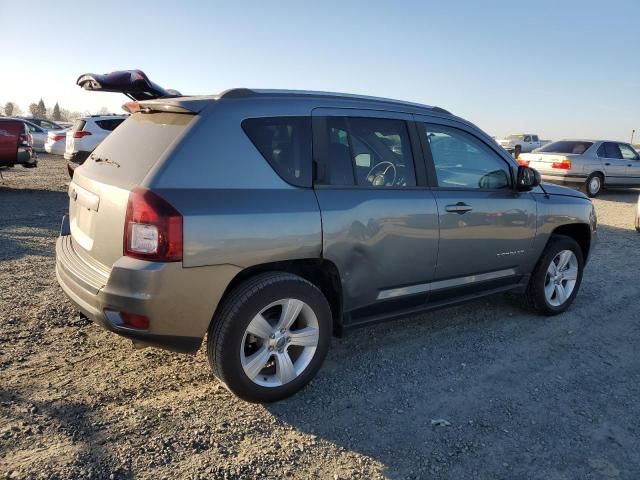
column 236, row 209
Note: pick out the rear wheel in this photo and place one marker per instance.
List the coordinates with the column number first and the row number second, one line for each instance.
column 556, row 279
column 593, row 185
column 270, row 337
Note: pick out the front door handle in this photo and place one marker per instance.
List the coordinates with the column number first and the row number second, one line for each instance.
column 459, row 208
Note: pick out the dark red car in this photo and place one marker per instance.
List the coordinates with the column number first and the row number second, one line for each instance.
column 16, row 147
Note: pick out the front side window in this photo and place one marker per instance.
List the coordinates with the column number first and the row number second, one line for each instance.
column 627, row 152
column 527, row 138
column 369, row 152
column 535, row 138
column 285, row 142
column 463, row 161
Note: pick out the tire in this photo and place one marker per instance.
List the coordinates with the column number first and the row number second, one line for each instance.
column 70, row 171
column 593, row 185
column 536, row 295
column 230, row 345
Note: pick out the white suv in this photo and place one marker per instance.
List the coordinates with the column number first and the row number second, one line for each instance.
column 86, row 134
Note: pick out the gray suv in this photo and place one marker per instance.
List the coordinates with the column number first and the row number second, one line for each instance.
column 269, row 220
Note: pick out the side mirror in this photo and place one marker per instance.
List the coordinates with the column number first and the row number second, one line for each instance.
column 527, row 179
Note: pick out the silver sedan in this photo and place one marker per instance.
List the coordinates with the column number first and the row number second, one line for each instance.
column 592, row 164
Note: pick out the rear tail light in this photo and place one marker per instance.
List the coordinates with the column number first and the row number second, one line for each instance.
column 23, row 139
column 134, row 320
column 563, row 164
column 524, row 163
column 55, row 138
column 80, row 134
column 152, row 228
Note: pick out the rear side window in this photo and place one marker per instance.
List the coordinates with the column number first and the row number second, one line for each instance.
column 609, row 150
column 78, row 125
column 369, row 152
column 110, row 124
column 285, row 142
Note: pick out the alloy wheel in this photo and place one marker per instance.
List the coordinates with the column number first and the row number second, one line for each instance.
column 561, row 278
column 279, row 342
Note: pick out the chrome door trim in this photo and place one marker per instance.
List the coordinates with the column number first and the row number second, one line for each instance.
column 441, row 284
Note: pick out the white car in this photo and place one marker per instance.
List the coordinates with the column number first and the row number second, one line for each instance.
column 55, row 143
column 518, row 143
column 85, row 135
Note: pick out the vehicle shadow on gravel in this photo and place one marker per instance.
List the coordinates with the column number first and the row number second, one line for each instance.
column 28, row 218
column 74, row 426
column 488, row 389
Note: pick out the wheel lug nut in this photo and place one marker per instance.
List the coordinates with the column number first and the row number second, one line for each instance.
column 273, row 335
column 282, row 330
column 271, row 349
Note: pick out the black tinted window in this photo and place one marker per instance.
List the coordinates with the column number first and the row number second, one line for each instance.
column 609, row 150
column 369, row 152
column 463, row 161
column 285, row 142
column 566, row 146
column 110, row 124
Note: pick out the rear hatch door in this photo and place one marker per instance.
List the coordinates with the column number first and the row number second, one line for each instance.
column 100, row 188
column 9, row 134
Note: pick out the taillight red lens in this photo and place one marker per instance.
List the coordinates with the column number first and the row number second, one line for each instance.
column 55, row 138
column 524, row 163
column 152, row 228
column 134, row 320
column 80, row 134
column 563, row 165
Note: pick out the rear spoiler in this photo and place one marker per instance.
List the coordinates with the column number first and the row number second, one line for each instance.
column 133, row 83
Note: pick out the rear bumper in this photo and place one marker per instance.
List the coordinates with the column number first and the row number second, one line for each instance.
column 180, row 302
column 56, row 148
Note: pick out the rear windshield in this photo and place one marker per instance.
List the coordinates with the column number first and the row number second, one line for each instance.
column 78, row 125
column 109, row 124
column 125, row 157
column 566, row 146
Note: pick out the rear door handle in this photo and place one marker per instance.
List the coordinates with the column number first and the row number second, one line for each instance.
column 459, row 208
column 607, row 164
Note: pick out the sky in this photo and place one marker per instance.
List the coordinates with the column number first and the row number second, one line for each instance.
column 561, row 69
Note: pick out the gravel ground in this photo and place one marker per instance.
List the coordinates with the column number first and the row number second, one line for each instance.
column 483, row 390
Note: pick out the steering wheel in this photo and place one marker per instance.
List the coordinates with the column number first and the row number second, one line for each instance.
column 379, row 179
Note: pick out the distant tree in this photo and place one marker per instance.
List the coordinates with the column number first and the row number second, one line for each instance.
column 56, row 112
column 103, row 111
column 42, row 110
column 33, row 109
column 8, row 109
column 17, row 111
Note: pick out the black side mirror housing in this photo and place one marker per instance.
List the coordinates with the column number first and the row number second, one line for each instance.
column 527, row 179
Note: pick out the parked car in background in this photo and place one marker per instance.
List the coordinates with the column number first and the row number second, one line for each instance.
column 517, row 143
column 15, row 144
column 85, row 135
column 38, row 134
column 591, row 164
column 44, row 123
column 56, row 141
column 272, row 219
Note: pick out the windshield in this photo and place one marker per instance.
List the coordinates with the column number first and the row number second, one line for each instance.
column 566, row 146
column 515, row 137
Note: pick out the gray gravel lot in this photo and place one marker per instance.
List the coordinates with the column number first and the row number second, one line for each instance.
column 513, row 395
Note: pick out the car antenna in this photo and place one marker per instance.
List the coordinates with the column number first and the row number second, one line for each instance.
column 546, row 194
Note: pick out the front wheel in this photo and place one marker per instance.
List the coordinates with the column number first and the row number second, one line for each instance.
column 556, row 278
column 270, row 337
